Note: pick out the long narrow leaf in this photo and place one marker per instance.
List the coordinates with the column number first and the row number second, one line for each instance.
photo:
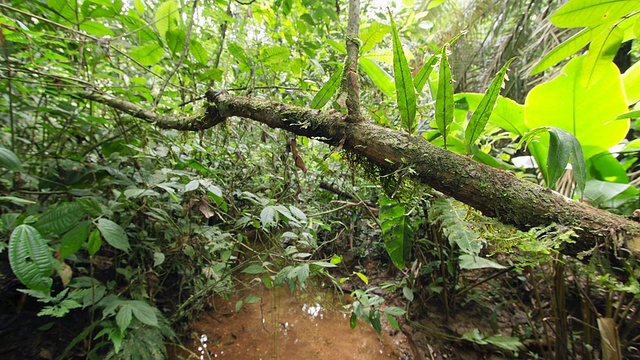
column 405, row 90
column 444, row 97
column 380, row 78
column 327, row 90
column 567, row 48
column 423, row 75
column 481, row 116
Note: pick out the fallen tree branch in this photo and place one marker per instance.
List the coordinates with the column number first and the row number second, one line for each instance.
column 494, row 192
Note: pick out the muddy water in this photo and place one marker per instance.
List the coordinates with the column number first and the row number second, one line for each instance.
column 284, row 326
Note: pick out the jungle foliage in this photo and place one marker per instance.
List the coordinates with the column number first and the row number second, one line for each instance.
column 130, row 229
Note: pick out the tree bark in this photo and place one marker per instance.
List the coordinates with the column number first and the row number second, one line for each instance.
column 494, row 192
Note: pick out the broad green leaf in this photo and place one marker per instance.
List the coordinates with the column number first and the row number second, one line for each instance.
column 239, row 54
column 275, row 54
column 167, row 17
column 96, row 29
column 567, row 48
column 323, row 264
column 147, row 55
column 60, row 219
column 405, row 90
column 392, row 321
column 144, row 312
column 423, row 74
column 9, row 160
column 588, row 114
column 16, row 200
column 372, row 35
column 303, row 274
column 378, row 75
column 602, row 50
column 444, row 97
column 114, row 234
column 286, row 7
column 198, row 52
column 631, row 82
column 90, row 206
column 139, row 6
column 73, row 239
column 374, row 318
column 176, row 39
column 470, row 262
column 328, row 89
column 64, row 11
column 353, row 321
column 94, row 243
column 604, row 166
column 600, row 192
column 30, row 258
column 581, row 13
column 481, row 116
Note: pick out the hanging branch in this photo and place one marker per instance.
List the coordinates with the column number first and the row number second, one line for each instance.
column 349, row 84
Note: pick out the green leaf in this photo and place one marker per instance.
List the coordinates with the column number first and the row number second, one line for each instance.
column 372, row 35
column 362, row 277
column 629, row 115
column 567, row 48
column 94, row 243
column 408, row 293
column 147, row 55
column 144, row 312
column 423, row 75
column 60, row 219
column 381, row 79
column 470, row 262
column 198, row 52
column 323, row 264
column 481, row 116
column 73, row 240
column 167, row 17
column 269, row 216
column 374, row 317
column 444, row 97
column 176, row 39
column 328, row 89
column 30, row 258
column 124, row 316
column 405, row 90
column 96, row 29
column 90, row 206
column 587, row 113
column 303, row 274
column 602, row 50
column 505, row 342
column 581, row 13
column 275, row 54
column 562, row 146
column 631, row 82
column 353, row 321
column 9, row 160
column 114, row 234
column 254, row 269
column 396, row 231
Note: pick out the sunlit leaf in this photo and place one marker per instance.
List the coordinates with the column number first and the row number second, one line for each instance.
column 481, row 116
column 372, row 35
column 567, row 48
column 167, row 17
column 198, row 52
column 275, row 54
column 631, row 82
column 328, row 89
column 470, row 262
column 444, row 97
column 405, row 91
column 176, row 39
column 378, row 75
column 602, row 50
column 147, row 55
column 96, row 28
column 581, row 13
column 423, row 74
column 586, row 113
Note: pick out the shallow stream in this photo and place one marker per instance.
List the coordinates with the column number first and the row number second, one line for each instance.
column 305, row 325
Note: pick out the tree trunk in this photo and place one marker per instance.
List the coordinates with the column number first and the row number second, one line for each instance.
column 494, row 192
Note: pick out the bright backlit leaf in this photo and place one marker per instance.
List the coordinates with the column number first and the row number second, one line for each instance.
column 444, row 97
column 405, row 91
